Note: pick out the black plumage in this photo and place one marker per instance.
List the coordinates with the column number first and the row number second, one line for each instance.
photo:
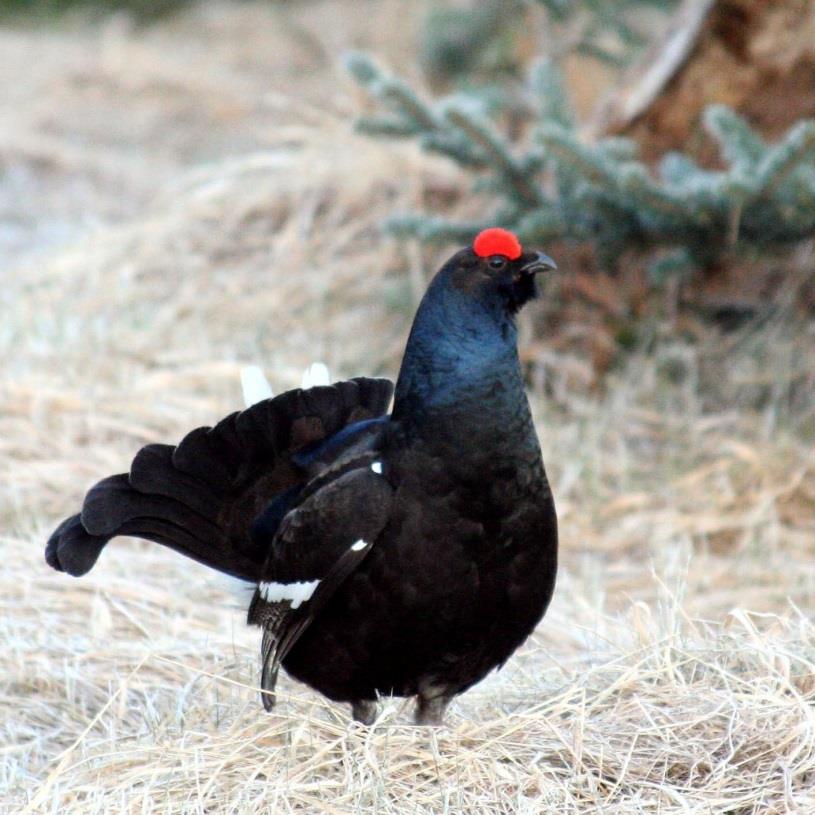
column 408, row 553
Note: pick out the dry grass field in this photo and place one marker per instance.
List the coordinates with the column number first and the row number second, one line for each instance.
column 178, row 201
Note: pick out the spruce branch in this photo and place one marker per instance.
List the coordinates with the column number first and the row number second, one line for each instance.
column 635, row 179
column 391, row 90
column 677, row 169
column 497, row 154
column 567, row 149
column 797, row 147
column 543, row 224
column 549, row 94
column 560, row 187
column 739, row 145
column 454, row 147
column 618, row 148
column 388, row 126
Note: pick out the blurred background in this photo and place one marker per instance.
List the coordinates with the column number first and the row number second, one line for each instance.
column 188, row 187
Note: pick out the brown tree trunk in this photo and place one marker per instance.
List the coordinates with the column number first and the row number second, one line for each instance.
column 756, row 56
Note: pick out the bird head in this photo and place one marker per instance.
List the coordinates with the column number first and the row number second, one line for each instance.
column 496, row 270
column 464, row 331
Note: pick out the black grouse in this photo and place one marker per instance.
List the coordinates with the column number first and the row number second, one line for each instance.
column 405, row 554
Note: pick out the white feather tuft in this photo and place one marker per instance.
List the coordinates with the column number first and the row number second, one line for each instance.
column 255, row 386
column 295, row 593
column 316, row 374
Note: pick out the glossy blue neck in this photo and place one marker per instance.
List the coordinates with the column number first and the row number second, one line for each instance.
column 459, row 347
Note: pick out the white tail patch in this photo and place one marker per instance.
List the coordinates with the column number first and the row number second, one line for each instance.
column 359, row 546
column 255, row 386
column 377, row 467
column 295, row 593
column 316, row 374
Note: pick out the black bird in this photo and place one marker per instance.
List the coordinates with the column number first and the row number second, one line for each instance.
column 405, row 554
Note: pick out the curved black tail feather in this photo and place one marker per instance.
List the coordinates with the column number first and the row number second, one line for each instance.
column 202, row 496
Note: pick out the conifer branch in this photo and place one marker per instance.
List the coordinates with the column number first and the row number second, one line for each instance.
column 557, row 186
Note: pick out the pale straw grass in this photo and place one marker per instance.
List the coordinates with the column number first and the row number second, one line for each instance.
column 675, row 670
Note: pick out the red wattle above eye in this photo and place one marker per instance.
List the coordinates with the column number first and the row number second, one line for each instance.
column 497, row 241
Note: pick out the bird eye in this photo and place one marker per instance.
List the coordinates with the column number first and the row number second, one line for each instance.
column 497, row 262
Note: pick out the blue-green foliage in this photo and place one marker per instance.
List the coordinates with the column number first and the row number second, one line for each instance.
column 475, row 45
column 143, row 10
column 558, row 186
column 604, row 27
column 462, row 44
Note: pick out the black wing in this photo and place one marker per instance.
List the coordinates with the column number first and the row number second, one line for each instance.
column 202, row 497
column 319, row 544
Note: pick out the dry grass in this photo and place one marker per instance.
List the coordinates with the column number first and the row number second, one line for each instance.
column 675, row 671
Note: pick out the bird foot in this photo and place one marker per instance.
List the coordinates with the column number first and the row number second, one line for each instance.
column 364, row 711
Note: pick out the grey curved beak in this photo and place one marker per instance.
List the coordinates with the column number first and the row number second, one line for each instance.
column 540, row 263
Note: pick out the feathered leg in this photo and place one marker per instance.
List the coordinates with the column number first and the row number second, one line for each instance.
column 364, row 711
column 430, row 708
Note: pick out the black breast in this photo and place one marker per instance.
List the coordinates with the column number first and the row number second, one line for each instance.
column 457, row 580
